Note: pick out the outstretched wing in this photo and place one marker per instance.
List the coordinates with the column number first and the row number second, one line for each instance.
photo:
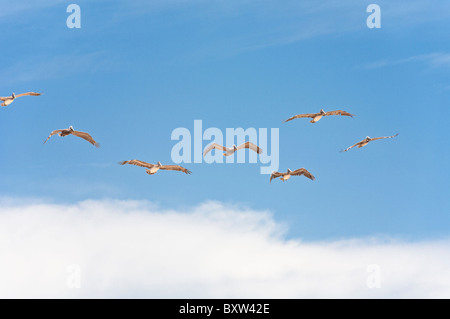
column 302, row 171
column 137, row 163
column 379, row 138
column 298, row 116
column 214, row 146
column 356, row 144
column 53, row 133
column 87, row 137
column 175, row 168
column 28, row 94
column 251, row 146
column 339, row 112
column 275, row 175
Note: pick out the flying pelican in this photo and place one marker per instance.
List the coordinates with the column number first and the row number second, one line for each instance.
column 317, row 116
column 152, row 168
column 366, row 141
column 9, row 99
column 230, row 150
column 70, row 130
column 289, row 173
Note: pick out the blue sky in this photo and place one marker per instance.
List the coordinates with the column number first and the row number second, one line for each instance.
column 133, row 73
column 136, row 71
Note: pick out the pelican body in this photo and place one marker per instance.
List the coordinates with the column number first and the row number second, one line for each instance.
column 66, row 132
column 154, row 169
column 286, row 176
column 318, row 116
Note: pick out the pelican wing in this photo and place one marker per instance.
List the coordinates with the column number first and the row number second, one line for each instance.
column 251, row 146
column 214, row 146
column 28, row 94
column 137, row 163
column 53, row 133
column 339, row 112
column 175, row 168
column 298, row 116
column 379, row 138
column 87, row 137
column 275, row 175
column 302, row 171
column 356, row 144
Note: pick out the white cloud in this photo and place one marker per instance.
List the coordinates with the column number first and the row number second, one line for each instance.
column 13, row 8
column 60, row 66
column 135, row 249
column 437, row 59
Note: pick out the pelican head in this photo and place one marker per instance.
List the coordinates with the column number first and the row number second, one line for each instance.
column 289, row 170
column 322, row 111
column 71, row 128
column 159, row 164
column 368, row 138
column 234, row 147
column 13, row 95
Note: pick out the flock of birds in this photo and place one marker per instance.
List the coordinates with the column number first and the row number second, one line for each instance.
column 153, row 168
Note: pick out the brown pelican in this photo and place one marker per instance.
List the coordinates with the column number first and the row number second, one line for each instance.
column 366, row 141
column 153, row 168
column 230, row 150
column 9, row 99
column 317, row 116
column 70, row 130
column 289, row 173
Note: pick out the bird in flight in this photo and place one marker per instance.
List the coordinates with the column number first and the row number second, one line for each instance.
column 366, row 141
column 153, row 168
column 7, row 100
column 70, row 130
column 289, row 173
column 230, row 150
column 317, row 116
